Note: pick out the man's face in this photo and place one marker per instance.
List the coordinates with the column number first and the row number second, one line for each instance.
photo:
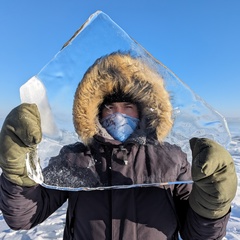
column 127, row 108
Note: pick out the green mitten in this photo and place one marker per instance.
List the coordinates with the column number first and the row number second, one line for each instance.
column 215, row 179
column 20, row 134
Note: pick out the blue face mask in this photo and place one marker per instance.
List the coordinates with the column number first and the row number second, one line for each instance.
column 119, row 126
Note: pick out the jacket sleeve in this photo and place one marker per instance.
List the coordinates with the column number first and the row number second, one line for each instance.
column 198, row 227
column 25, row 207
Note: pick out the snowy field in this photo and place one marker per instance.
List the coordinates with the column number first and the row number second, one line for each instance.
column 52, row 228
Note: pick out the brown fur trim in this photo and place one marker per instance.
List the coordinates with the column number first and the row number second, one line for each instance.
column 136, row 79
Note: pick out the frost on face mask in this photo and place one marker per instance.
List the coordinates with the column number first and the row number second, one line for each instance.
column 119, row 126
column 100, row 36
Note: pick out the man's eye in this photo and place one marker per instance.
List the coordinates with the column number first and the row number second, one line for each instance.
column 129, row 106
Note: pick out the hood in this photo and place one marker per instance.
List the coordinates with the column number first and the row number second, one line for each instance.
column 134, row 78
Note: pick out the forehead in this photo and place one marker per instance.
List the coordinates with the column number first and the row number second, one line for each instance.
column 120, row 104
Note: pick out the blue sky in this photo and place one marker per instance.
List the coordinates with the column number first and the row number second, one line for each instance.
column 197, row 40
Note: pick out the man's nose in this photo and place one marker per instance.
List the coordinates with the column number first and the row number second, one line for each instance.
column 119, row 109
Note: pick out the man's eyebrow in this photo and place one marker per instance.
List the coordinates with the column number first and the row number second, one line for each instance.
column 129, row 103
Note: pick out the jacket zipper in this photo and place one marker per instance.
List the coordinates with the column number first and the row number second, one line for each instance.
column 109, row 174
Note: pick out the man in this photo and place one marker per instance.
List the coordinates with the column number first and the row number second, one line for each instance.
column 122, row 113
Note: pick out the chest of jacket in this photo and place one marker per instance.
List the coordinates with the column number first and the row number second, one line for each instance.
column 135, row 164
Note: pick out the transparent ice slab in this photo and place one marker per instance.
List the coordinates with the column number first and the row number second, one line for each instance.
column 53, row 88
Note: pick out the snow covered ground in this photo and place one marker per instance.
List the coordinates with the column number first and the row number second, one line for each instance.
column 53, row 227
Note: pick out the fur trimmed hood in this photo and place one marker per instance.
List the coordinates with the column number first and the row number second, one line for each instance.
column 134, row 78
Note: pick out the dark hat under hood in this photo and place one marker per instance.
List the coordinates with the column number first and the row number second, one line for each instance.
column 134, row 79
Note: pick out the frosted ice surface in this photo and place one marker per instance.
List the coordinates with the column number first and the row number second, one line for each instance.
column 100, row 36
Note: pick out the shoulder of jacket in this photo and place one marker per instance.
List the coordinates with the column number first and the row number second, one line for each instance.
column 171, row 150
column 164, row 145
